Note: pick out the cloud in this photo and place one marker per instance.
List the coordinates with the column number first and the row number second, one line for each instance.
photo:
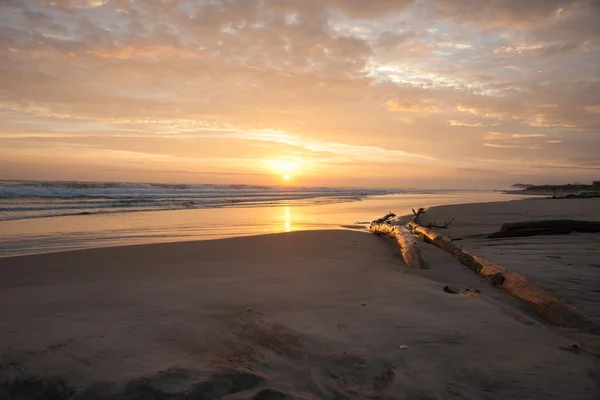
column 593, row 109
column 539, row 49
column 369, row 9
column 74, row 4
column 548, row 105
column 503, row 146
column 542, row 121
column 390, row 40
column 480, row 111
column 501, row 14
column 459, row 46
column 139, row 53
column 408, row 106
column 399, row 76
column 553, row 141
column 508, row 146
column 464, row 124
column 514, row 140
column 508, row 136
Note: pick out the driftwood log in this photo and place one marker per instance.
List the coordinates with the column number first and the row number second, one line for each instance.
column 409, row 247
column 551, row 308
column 548, row 227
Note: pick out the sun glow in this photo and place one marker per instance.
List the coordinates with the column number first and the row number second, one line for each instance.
column 287, row 169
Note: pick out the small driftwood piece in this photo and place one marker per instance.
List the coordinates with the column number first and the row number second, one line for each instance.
column 421, row 211
column 386, row 219
column 547, row 227
column 445, row 226
column 551, row 308
column 418, row 213
column 409, row 247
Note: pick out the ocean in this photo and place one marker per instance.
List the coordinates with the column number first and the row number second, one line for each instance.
column 28, row 199
column 40, row 217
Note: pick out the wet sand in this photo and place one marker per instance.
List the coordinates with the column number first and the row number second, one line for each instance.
column 45, row 235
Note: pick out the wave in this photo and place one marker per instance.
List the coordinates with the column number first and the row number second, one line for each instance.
column 29, row 199
column 82, row 190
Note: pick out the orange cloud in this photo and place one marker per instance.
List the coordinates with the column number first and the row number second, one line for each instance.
column 454, row 122
column 508, row 136
column 479, row 111
column 68, row 4
column 542, row 121
column 593, row 109
column 507, row 146
column 320, row 70
column 137, row 52
column 407, row 106
column 417, row 48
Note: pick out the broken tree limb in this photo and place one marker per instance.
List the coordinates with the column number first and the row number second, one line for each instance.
column 409, row 247
column 418, row 213
column 551, row 308
column 421, row 211
column 547, row 227
column 385, row 219
column 445, row 226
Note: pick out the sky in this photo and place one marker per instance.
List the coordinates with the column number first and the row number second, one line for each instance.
column 380, row 93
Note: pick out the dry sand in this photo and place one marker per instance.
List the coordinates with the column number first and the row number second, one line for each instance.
column 309, row 315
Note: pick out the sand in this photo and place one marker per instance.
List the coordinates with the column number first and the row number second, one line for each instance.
column 566, row 265
column 307, row 315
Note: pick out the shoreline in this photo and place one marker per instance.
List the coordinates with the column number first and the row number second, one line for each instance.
column 42, row 235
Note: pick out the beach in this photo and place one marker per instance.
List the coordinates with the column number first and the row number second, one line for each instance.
column 315, row 314
column 300, row 199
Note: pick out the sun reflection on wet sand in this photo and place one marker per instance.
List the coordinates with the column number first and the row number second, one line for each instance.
column 288, row 219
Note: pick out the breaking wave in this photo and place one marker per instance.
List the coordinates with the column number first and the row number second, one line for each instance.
column 29, row 199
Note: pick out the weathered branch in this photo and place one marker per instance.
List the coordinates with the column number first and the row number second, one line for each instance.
column 445, row 226
column 385, row 219
column 409, row 247
column 418, row 213
column 553, row 309
column 421, row 211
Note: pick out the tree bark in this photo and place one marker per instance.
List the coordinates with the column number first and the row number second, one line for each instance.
column 409, row 247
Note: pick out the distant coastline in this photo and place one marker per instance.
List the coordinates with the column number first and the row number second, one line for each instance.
column 569, row 190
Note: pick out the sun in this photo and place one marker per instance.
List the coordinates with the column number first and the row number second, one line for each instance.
column 287, row 169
